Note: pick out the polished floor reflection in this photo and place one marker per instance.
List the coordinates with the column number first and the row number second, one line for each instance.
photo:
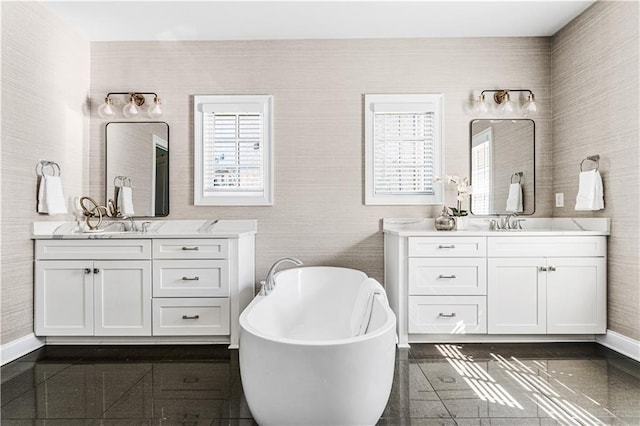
column 470, row 384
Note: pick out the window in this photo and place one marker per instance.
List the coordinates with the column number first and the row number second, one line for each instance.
column 233, row 150
column 403, row 149
column 481, row 172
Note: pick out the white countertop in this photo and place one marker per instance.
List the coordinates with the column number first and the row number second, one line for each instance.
column 424, row 227
column 156, row 229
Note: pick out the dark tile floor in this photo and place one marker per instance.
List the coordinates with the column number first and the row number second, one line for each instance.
column 471, row 384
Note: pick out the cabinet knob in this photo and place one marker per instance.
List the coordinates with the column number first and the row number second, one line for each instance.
column 87, row 270
column 542, row 268
column 96, row 270
column 443, row 315
column 190, row 317
column 446, row 276
column 190, row 278
column 552, row 268
column 450, row 246
column 191, row 248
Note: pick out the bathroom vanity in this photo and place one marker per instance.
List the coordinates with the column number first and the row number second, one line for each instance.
column 182, row 281
column 545, row 282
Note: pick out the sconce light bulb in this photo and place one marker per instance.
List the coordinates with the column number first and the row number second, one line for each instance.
column 130, row 110
column 155, row 111
column 507, row 107
column 530, row 107
column 106, row 109
column 481, row 106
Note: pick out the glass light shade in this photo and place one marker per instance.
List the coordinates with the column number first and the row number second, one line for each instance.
column 530, row 107
column 155, row 111
column 106, row 109
column 507, row 107
column 131, row 110
column 481, row 106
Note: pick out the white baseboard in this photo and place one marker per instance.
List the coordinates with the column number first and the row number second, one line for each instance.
column 19, row 347
column 620, row 343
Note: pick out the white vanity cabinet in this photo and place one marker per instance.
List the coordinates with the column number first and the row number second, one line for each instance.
column 485, row 286
column 562, row 293
column 185, row 282
column 88, row 295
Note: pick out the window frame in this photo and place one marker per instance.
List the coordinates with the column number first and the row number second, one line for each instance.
column 425, row 103
column 230, row 197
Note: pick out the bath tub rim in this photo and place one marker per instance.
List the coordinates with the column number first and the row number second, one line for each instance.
column 246, row 327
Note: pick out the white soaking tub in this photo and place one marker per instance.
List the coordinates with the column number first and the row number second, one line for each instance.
column 318, row 350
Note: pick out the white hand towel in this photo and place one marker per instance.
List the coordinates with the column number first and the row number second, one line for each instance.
column 514, row 200
column 50, row 196
column 590, row 191
column 125, row 201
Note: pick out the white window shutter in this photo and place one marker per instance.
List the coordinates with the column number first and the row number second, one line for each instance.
column 403, row 148
column 233, row 150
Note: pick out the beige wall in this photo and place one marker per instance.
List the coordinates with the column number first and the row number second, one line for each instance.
column 318, row 89
column 595, row 111
column 45, row 82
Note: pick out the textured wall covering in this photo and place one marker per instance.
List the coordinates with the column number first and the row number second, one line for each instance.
column 318, row 89
column 595, row 111
column 45, row 82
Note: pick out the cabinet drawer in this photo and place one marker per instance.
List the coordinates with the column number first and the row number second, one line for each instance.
column 191, row 249
column 447, row 247
column 447, row 276
column 447, row 314
column 546, row 246
column 191, row 278
column 93, row 249
column 190, row 316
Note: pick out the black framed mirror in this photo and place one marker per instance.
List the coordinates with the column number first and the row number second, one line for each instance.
column 502, row 166
column 137, row 157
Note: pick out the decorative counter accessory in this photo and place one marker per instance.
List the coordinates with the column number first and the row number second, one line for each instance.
column 445, row 222
column 464, row 191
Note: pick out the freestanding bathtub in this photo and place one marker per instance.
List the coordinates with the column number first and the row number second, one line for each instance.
column 318, row 350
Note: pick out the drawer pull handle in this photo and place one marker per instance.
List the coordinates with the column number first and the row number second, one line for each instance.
column 87, row 270
column 451, row 315
column 446, row 276
column 552, row 268
column 191, row 380
column 542, row 269
column 190, row 317
column 451, row 246
column 191, row 248
column 190, row 279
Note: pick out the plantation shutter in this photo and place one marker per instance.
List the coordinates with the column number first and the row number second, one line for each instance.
column 233, row 149
column 403, row 152
column 481, row 173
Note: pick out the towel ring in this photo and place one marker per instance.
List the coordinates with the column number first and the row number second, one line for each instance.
column 518, row 176
column 122, row 181
column 594, row 158
column 42, row 165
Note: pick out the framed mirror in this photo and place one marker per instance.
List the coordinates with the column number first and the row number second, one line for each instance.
column 502, row 166
column 137, row 158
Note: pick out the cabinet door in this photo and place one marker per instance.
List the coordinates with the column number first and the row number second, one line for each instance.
column 516, row 296
column 576, row 295
column 122, row 299
column 64, row 298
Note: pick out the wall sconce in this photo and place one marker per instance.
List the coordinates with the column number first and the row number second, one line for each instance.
column 503, row 103
column 131, row 109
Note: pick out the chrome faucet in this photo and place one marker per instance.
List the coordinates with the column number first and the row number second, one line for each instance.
column 269, row 283
column 134, row 227
column 508, row 224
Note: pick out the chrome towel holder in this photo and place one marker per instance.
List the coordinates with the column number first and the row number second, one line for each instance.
column 43, row 164
column 518, row 176
column 594, row 158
